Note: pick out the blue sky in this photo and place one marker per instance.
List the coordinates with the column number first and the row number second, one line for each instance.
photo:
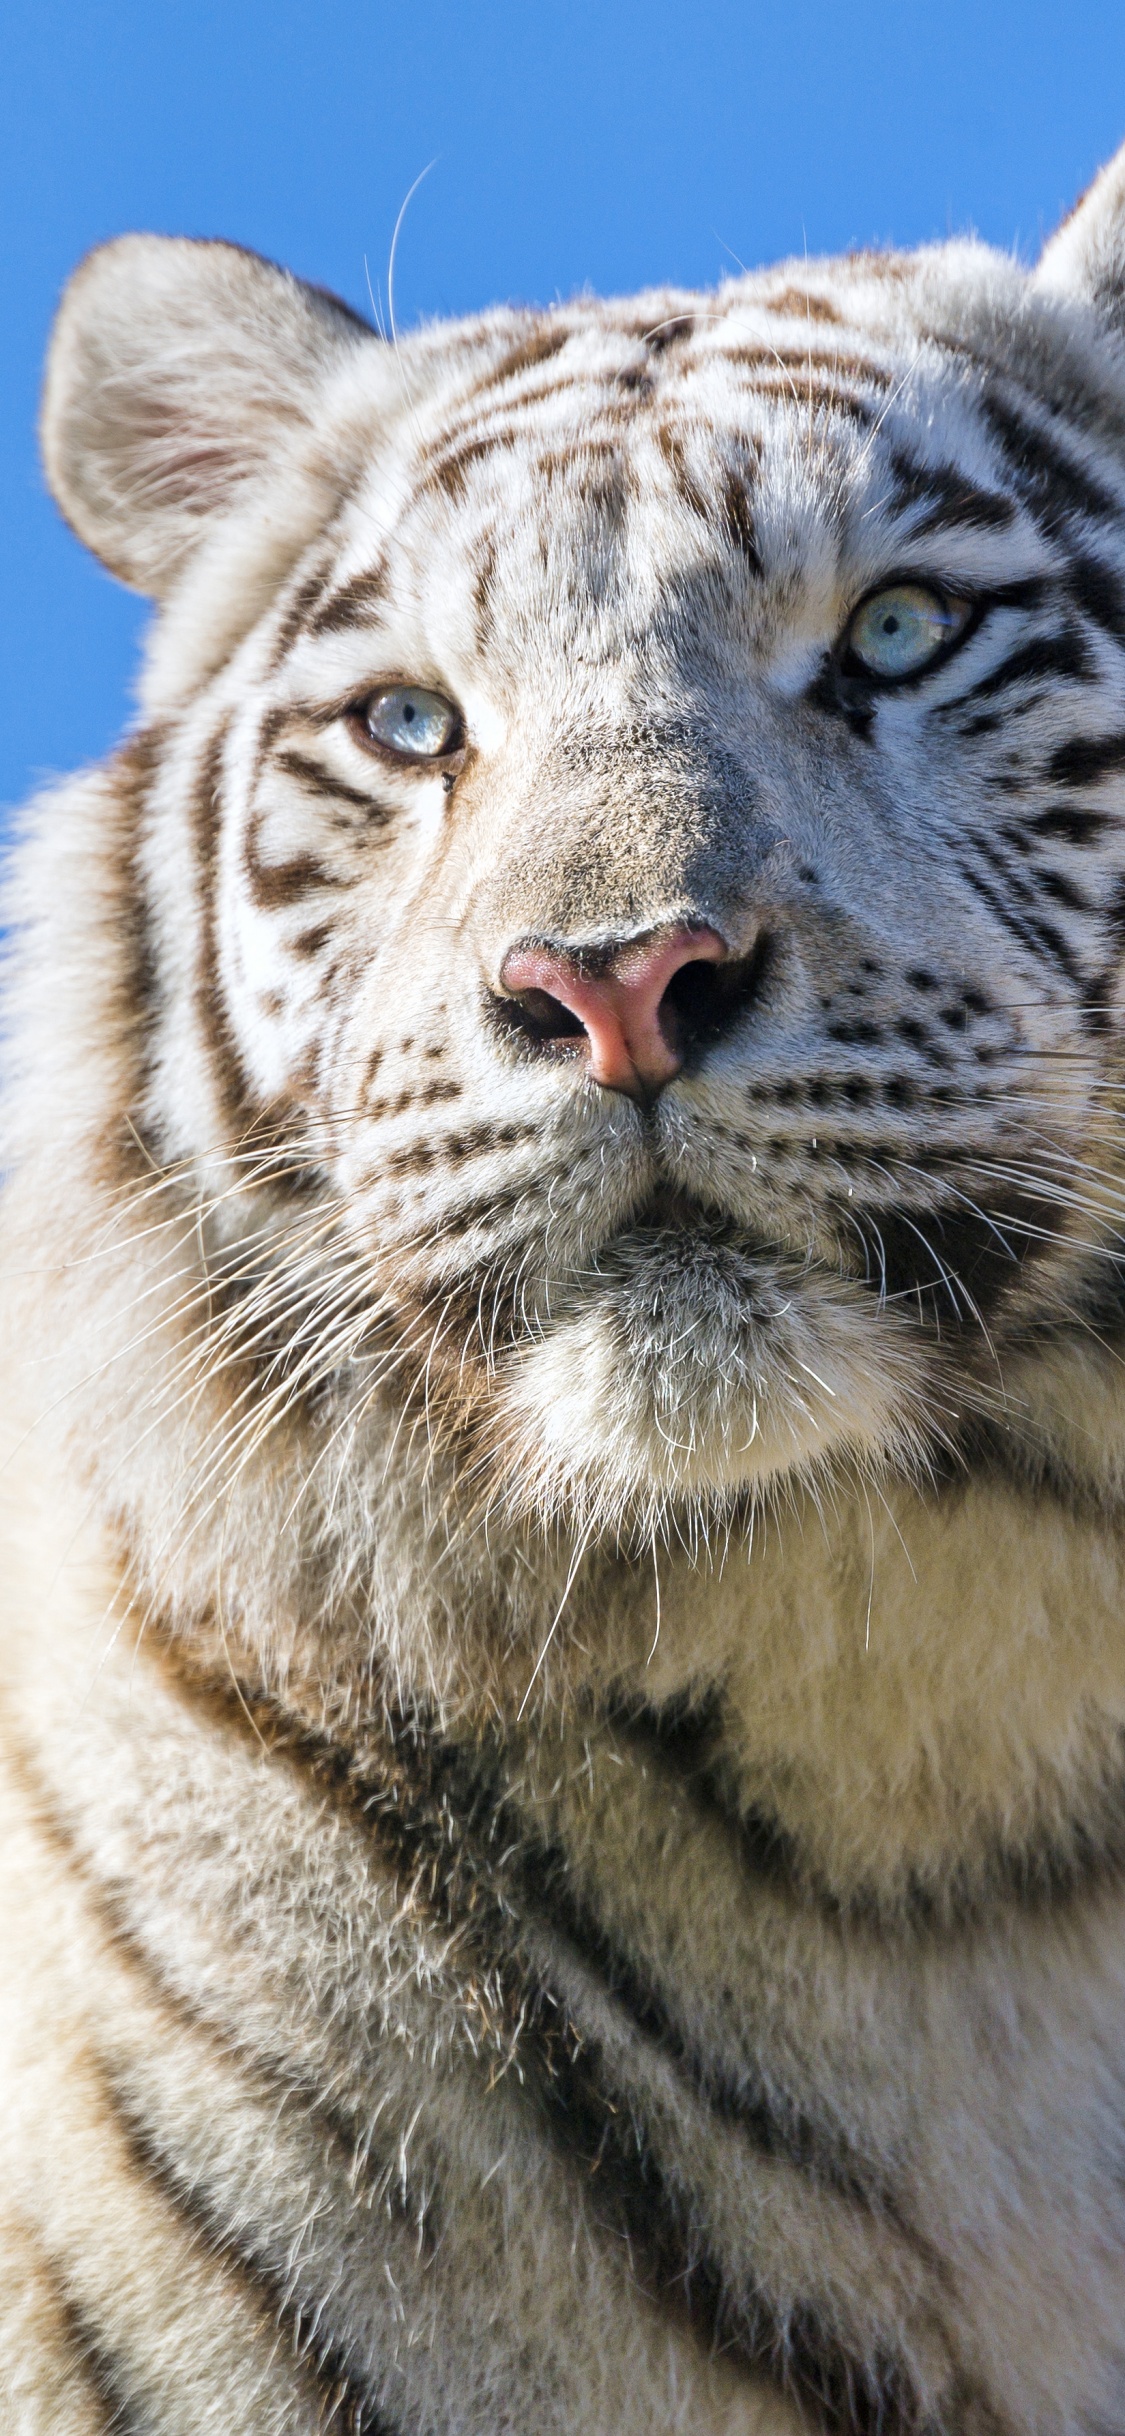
column 605, row 144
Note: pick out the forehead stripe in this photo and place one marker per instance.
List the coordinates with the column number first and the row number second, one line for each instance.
column 821, row 362
column 1054, row 484
column 536, row 349
column 354, row 603
column 948, row 497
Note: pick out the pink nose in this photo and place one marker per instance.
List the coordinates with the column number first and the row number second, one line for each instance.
column 619, row 1003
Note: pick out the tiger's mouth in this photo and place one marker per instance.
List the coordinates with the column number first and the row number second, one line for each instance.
column 694, row 1361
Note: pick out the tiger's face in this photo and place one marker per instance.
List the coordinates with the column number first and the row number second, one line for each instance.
column 639, row 836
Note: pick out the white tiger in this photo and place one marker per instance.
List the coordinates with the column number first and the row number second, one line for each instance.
column 562, row 1745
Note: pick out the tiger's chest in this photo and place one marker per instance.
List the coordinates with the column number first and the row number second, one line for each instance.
column 549, row 2067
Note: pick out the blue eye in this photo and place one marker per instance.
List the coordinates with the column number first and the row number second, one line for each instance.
column 898, row 632
column 417, row 725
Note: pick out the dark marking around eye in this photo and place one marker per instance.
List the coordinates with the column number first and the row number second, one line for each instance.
column 835, row 693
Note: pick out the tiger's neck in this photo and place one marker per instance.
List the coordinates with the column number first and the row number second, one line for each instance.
column 913, row 1687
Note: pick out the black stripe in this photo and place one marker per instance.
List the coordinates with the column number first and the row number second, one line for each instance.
column 1099, row 593
column 274, row 886
column 104, row 2375
column 298, row 609
column 442, row 1818
column 355, row 604
column 738, row 520
column 346, row 2409
column 802, row 304
column 806, row 2358
column 1055, row 486
column 141, row 1000
column 539, row 347
column 319, row 781
column 1070, row 822
column 1029, row 928
column 826, row 364
column 674, row 332
column 1045, row 655
column 948, row 497
column 239, row 1109
column 1086, row 759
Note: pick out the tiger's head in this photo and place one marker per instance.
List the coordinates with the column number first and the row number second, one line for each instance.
column 630, row 862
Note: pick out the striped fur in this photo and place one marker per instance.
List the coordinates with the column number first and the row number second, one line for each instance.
column 562, row 1721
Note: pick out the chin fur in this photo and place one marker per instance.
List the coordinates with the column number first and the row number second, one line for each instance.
column 692, row 1371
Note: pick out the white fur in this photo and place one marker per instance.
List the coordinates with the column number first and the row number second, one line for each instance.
column 405, row 1435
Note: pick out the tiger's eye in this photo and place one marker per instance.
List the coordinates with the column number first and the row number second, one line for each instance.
column 898, row 632
column 409, row 721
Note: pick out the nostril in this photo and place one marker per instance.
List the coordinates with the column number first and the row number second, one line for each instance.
column 541, row 1017
column 704, row 1000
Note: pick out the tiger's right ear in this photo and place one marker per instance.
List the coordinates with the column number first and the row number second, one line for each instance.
column 1086, row 256
column 178, row 373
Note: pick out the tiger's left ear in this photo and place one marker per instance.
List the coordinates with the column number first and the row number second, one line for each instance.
column 1086, row 256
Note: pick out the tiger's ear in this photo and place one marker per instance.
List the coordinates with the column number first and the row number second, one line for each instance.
column 1086, row 256
column 178, row 372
